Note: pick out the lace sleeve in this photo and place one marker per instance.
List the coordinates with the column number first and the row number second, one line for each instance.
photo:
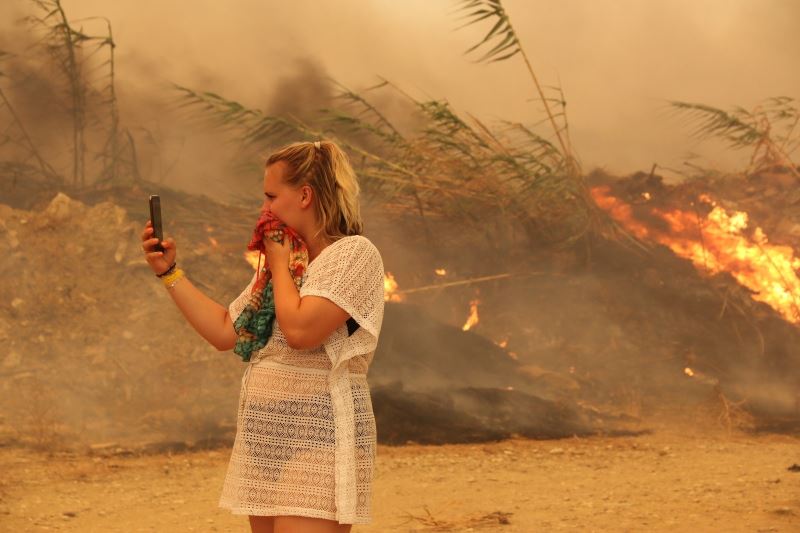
column 236, row 307
column 351, row 276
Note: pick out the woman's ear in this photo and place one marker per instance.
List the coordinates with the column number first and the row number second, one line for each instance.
column 306, row 194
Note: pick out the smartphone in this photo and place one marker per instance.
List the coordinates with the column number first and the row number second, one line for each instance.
column 155, row 218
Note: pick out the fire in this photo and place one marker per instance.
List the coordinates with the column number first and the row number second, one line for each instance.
column 700, row 377
column 717, row 243
column 213, row 242
column 389, row 283
column 503, row 344
column 473, row 315
column 251, row 256
column 390, row 288
column 440, row 272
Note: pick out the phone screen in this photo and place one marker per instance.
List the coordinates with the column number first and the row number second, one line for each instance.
column 155, row 218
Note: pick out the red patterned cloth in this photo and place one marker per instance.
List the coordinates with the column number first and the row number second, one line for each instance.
column 254, row 324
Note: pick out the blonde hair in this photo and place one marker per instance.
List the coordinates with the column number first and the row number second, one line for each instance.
column 328, row 172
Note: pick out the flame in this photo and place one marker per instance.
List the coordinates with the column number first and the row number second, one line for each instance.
column 716, row 243
column 502, row 344
column 440, row 272
column 213, row 242
column 473, row 315
column 389, row 283
column 646, row 195
column 251, row 256
column 700, row 377
column 389, row 288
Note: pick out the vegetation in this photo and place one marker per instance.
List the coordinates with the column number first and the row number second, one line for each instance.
column 770, row 130
column 452, row 165
column 100, row 149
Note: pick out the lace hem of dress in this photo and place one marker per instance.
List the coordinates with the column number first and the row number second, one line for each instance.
column 291, row 511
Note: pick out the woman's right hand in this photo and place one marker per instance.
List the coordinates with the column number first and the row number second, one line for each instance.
column 159, row 261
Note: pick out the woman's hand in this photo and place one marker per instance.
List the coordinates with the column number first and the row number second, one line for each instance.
column 159, row 261
column 277, row 253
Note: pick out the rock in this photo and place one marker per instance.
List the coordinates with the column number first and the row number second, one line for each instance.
column 103, row 447
column 106, row 215
column 60, row 209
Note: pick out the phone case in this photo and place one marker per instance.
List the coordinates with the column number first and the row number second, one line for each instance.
column 155, row 218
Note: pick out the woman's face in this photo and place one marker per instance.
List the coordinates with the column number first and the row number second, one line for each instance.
column 288, row 204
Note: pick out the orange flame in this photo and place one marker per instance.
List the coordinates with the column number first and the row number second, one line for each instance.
column 440, row 272
column 473, row 315
column 716, row 244
column 251, row 256
column 390, row 288
column 389, row 283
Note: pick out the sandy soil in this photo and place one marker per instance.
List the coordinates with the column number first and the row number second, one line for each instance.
column 670, row 480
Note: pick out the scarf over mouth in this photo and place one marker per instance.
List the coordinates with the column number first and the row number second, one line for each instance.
column 254, row 325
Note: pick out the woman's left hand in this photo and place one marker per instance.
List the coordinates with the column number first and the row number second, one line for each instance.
column 278, row 253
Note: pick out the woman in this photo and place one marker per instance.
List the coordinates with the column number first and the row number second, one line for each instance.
column 304, row 452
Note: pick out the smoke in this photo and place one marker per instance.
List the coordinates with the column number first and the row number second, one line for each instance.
column 618, row 63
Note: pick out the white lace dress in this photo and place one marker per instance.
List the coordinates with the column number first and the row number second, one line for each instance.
column 306, row 438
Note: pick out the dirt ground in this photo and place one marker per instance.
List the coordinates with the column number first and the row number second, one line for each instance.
column 673, row 479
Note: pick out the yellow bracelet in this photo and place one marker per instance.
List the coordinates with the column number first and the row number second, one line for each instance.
column 171, row 279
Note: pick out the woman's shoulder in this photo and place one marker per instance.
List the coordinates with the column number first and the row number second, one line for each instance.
column 351, row 252
column 356, row 243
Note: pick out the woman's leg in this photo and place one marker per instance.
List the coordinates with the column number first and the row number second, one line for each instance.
column 262, row 524
column 298, row 524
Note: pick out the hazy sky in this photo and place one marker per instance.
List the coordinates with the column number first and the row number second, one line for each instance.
column 618, row 61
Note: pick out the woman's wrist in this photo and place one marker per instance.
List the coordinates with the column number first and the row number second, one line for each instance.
column 169, row 280
column 168, row 271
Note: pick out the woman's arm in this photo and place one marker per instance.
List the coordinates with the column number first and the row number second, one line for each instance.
column 305, row 322
column 206, row 316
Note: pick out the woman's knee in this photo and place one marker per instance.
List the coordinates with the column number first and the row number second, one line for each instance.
column 262, row 524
